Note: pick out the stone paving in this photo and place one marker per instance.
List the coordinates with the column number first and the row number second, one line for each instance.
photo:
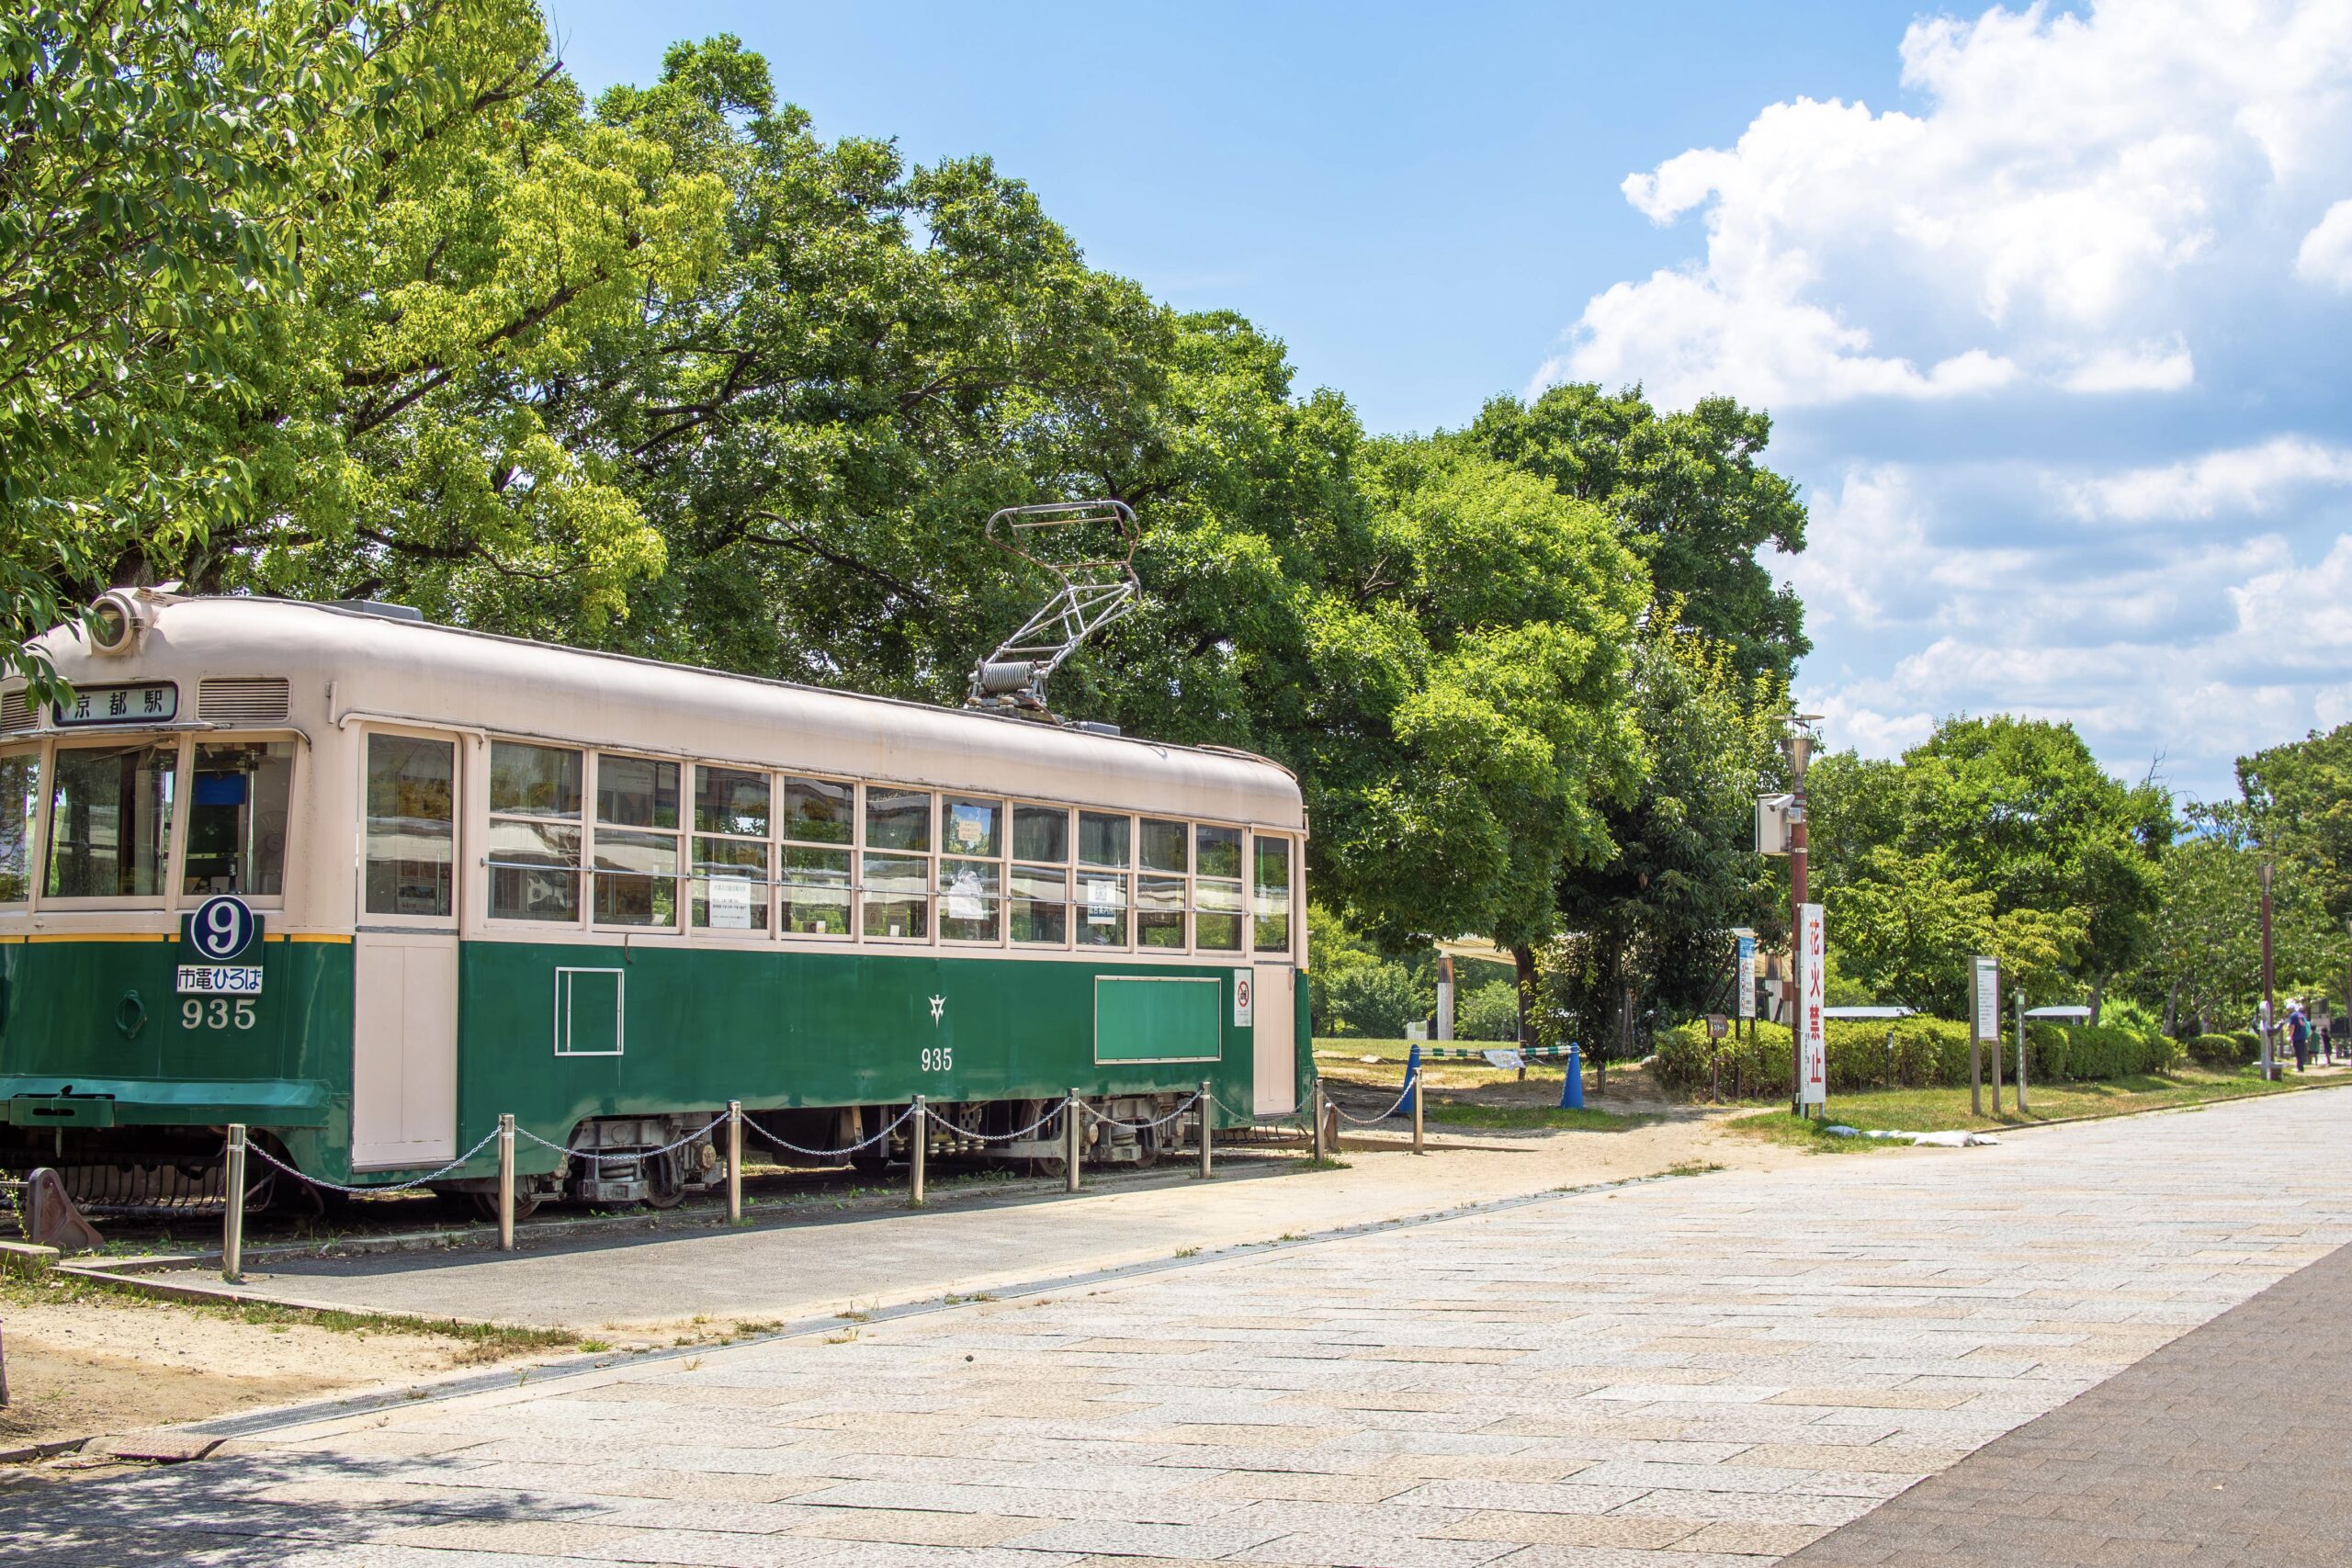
column 1689, row 1374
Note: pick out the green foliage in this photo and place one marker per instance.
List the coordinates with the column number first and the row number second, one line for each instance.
column 1691, row 495
column 2222, row 1052
column 2208, row 956
column 1926, row 1053
column 2299, row 800
column 1489, row 1012
column 1376, row 1000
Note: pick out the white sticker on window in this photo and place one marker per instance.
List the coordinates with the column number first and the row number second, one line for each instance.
column 964, row 901
column 731, row 904
column 1102, row 903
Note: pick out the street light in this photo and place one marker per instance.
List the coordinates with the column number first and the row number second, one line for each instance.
column 1799, row 738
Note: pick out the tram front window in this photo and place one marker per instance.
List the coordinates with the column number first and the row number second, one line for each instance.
column 110, row 820
column 236, row 819
column 19, row 807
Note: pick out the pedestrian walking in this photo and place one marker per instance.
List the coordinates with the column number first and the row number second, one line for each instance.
column 2299, row 1033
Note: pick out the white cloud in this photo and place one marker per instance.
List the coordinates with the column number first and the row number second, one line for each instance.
column 2150, row 367
column 2325, row 255
column 2240, row 480
column 1871, row 558
column 2032, row 221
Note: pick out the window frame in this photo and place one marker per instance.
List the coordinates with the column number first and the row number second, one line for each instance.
column 928, row 858
column 1193, row 908
column 853, row 848
column 594, row 826
column 183, row 740
column 1249, row 917
column 37, row 830
column 1067, row 869
column 695, row 885
column 461, row 815
column 583, row 895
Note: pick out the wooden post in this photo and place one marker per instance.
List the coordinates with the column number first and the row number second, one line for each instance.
column 506, row 1183
column 2021, row 1006
column 1208, row 1107
column 1418, row 1098
column 232, row 1223
column 1314, row 1105
column 1073, row 1140
column 734, row 1162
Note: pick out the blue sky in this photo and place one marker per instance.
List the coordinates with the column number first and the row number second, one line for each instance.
column 2050, row 307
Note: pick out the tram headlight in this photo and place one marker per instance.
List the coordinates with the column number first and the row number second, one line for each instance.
column 114, row 622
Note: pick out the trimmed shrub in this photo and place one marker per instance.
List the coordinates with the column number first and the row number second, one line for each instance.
column 1490, row 1012
column 2222, row 1053
column 1923, row 1053
column 2249, row 1044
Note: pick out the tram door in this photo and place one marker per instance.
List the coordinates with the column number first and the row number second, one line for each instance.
column 1273, row 1064
column 404, row 955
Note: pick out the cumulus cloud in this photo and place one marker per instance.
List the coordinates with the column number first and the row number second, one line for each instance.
column 2239, row 480
column 2326, row 255
column 2029, row 223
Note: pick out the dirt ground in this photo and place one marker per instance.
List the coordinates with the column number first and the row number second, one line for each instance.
column 83, row 1363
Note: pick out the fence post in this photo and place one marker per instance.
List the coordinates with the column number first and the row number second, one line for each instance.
column 232, row 1223
column 1073, row 1141
column 1314, row 1108
column 1890, row 1058
column 505, row 1182
column 1996, row 1054
column 1414, row 1083
column 1208, row 1106
column 918, row 1145
column 734, row 1162
column 2021, row 1011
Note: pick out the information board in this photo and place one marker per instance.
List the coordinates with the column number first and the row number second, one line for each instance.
column 1989, row 999
column 1747, row 977
column 1813, row 1039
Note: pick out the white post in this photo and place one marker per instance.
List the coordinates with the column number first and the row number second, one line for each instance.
column 1445, row 996
column 734, row 1162
column 1207, row 1104
column 918, row 1145
column 232, row 1223
column 506, row 1184
column 1073, row 1140
column 1314, row 1104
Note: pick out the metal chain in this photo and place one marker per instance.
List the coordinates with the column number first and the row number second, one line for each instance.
column 1141, row 1126
column 995, row 1137
column 254, row 1148
column 627, row 1155
column 1368, row 1121
column 830, row 1154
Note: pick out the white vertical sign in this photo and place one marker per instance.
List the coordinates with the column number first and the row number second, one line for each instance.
column 1245, row 1005
column 1747, row 977
column 1989, row 999
column 1813, row 1039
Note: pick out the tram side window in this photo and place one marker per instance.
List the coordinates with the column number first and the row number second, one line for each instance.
column 412, row 825
column 897, row 868
column 1040, row 888
column 970, row 885
column 815, row 898
column 110, row 820
column 19, row 808
column 1272, row 890
column 533, row 832
column 732, row 823
column 1160, row 900
column 236, row 818
column 637, row 841
column 1216, row 888
column 1103, row 862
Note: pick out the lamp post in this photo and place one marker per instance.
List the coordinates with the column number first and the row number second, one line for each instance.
column 1799, row 740
column 2270, row 997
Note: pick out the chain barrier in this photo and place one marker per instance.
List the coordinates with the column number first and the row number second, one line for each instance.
column 627, row 1155
column 830, row 1153
column 1052, row 1115
column 1368, row 1121
column 1141, row 1126
column 254, row 1148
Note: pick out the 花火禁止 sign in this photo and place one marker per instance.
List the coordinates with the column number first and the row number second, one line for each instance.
column 1813, row 1034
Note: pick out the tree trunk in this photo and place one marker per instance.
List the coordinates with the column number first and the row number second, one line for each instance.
column 2172, row 1013
column 1523, row 957
column 2098, row 990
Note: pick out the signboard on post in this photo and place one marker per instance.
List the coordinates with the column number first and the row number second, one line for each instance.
column 1813, row 1036
column 1989, row 999
column 1747, row 977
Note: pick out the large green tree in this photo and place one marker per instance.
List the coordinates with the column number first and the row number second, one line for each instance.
column 2298, row 801
column 1692, row 494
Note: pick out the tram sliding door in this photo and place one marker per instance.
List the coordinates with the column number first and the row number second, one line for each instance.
column 1273, row 1062
column 404, row 955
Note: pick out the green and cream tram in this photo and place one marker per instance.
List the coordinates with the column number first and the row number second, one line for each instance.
column 364, row 884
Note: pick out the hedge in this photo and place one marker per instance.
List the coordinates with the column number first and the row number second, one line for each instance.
column 1926, row 1053
column 2224, row 1051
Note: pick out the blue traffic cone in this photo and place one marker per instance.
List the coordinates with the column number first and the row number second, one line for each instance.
column 1572, row 1087
column 1412, row 1081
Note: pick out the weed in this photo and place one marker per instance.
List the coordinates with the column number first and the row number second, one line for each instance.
column 1188, row 1252
column 1691, row 1168
column 593, row 1346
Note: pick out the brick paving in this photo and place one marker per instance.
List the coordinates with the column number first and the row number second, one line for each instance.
column 1692, row 1373
column 2230, row 1446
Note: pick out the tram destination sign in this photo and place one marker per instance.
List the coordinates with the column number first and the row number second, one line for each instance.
column 156, row 702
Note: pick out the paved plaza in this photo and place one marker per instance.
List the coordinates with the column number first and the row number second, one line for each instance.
column 1684, row 1373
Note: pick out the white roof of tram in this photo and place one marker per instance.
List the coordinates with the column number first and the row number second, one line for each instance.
column 383, row 669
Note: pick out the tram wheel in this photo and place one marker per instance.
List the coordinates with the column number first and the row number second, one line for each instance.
column 525, row 1204
column 664, row 1187
column 1146, row 1148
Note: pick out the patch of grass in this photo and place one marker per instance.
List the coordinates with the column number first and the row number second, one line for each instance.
column 1691, row 1168
column 1948, row 1110
column 1454, row 1113
column 1327, row 1162
column 481, row 1341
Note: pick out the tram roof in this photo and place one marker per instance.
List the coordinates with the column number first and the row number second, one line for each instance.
column 395, row 670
